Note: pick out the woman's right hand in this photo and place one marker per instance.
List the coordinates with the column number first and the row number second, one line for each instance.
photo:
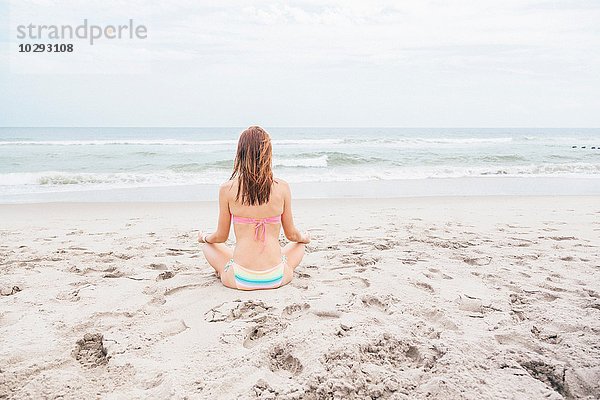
column 202, row 237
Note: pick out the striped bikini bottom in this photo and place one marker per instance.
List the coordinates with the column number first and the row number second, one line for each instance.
column 250, row 279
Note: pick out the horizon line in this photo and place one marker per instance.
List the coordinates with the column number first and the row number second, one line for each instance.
column 306, row 126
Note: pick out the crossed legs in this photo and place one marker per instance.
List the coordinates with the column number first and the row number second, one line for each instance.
column 294, row 253
column 218, row 254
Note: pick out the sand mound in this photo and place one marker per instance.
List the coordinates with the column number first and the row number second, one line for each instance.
column 90, row 351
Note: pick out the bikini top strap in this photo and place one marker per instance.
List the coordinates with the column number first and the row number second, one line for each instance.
column 243, row 220
column 260, row 224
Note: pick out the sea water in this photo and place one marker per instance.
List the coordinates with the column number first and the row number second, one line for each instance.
column 38, row 162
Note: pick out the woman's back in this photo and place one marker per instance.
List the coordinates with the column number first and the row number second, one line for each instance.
column 257, row 241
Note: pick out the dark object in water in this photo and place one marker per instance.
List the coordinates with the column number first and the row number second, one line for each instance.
column 583, row 147
column 573, row 147
column 594, row 148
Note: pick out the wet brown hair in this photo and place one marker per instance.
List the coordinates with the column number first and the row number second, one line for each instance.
column 252, row 167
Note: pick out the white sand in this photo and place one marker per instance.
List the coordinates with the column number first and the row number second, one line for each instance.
column 478, row 298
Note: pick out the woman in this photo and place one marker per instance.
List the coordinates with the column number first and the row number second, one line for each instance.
column 259, row 205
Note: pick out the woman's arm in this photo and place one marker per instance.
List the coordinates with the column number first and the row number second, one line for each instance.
column 224, row 224
column 287, row 220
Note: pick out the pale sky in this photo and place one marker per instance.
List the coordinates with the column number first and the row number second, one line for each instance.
column 414, row 63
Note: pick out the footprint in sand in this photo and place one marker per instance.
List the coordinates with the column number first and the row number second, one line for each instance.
column 343, row 330
column 114, row 273
column 545, row 336
column 436, row 273
column 9, row 292
column 155, row 266
column 317, row 249
column 294, row 310
column 165, row 275
column 549, row 229
column 553, row 288
column 409, row 261
column 352, row 240
column 381, row 303
column 73, row 295
column 177, row 289
column 386, row 244
column 237, row 309
column 424, row 286
column 559, row 238
column 172, row 328
column 552, row 376
column 327, row 313
column 396, row 353
column 263, row 326
column 296, row 283
column 263, row 390
column 472, row 307
column 359, row 260
column 281, row 358
column 124, row 256
column 437, row 241
column 359, row 281
column 439, row 319
column 354, row 281
column 520, row 242
column 206, row 280
column 479, row 261
column 517, row 226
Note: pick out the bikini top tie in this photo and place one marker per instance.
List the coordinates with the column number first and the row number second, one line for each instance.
column 260, row 225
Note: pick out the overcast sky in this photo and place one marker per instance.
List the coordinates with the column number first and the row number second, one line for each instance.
column 419, row 63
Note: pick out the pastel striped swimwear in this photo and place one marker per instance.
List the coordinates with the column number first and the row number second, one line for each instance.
column 250, row 279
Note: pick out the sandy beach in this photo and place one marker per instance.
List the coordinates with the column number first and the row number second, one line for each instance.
column 434, row 297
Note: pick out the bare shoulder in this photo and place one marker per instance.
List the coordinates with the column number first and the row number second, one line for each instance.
column 228, row 184
column 226, row 188
column 281, row 184
column 281, row 187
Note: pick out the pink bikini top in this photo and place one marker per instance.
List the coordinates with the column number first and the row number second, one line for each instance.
column 261, row 224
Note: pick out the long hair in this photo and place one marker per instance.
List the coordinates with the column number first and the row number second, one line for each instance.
column 252, row 167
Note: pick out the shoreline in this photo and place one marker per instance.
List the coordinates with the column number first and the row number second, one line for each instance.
column 8, row 211
column 430, row 187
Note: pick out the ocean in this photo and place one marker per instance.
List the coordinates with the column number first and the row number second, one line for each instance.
column 79, row 163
